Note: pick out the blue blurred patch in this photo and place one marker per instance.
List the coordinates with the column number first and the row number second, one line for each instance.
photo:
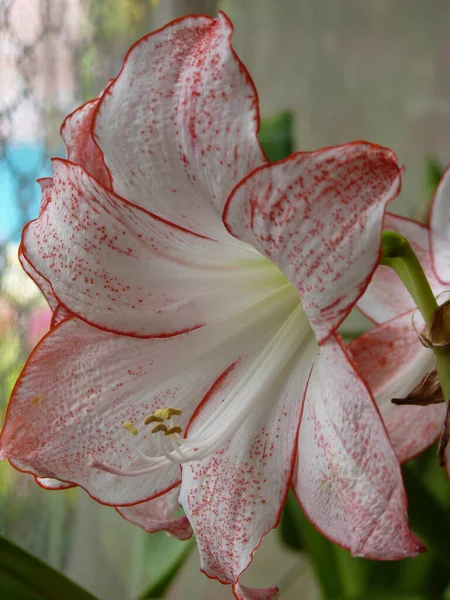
column 20, row 195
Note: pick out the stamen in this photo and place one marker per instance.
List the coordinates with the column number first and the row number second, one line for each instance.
column 166, row 413
column 160, row 427
column 130, row 427
column 170, row 431
column 153, row 419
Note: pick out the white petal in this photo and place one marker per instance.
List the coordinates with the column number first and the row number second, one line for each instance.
column 348, row 480
column 235, row 496
column 118, row 267
column 440, row 228
column 178, row 127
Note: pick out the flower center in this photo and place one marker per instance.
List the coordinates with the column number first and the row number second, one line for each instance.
column 280, row 332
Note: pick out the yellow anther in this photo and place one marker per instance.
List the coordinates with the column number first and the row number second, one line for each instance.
column 163, row 413
column 38, row 399
column 167, row 413
column 153, row 419
column 172, row 430
column 160, row 427
column 175, row 412
column 130, row 427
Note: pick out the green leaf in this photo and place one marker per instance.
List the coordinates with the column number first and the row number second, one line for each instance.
column 319, row 550
column 433, row 173
column 289, row 529
column 162, row 585
column 276, row 136
column 428, row 517
column 25, row 577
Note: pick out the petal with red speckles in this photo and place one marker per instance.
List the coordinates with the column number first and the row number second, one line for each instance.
column 440, row 228
column 124, row 270
column 39, row 280
column 393, row 362
column 386, row 297
column 347, row 478
column 318, row 216
column 234, row 497
column 81, row 384
column 189, row 131
column 159, row 515
column 46, row 184
column 241, row 592
column 76, row 131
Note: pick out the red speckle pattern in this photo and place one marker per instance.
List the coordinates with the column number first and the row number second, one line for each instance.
column 318, row 217
column 178, row 127
column 124, row 270
column 81, row 384
column 235, row 496
column 347, row 478
column 159, row 515
column 393, row 362
column 386, row 297
column 80, row 146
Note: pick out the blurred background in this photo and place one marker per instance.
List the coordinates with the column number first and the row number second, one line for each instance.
column 346, row 69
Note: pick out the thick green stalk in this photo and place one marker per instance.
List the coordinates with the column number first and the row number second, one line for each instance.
column 398, row 254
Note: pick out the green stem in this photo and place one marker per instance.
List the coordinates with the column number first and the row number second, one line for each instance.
column 398, row 254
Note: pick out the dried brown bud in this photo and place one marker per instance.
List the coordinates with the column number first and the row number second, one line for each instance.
column 427, row 392
column 439, row 330
column 444, row 439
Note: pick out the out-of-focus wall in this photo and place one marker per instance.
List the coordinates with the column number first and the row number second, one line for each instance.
column 354, row 69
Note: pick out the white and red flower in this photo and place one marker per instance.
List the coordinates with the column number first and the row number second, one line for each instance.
column 391, row 356
column 198, row 289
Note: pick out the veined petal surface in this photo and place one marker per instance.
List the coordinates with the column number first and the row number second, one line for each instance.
column 234, row 497
column 386, row 297
column 76, row 132
column 393, row 362
column 347, row 478
column 81, row 384
column 159, row 515
column 125, row 270
column 318, row 217
column 42, row 283
column 178, row 127
column 440, row 229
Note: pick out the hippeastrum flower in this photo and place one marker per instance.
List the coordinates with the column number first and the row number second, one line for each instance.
column 395, row 356
column 197, row 294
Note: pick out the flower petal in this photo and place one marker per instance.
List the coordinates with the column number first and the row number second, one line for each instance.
column 440, row 228
column 235, row 496
column 76, row 131
column 386, row 296
column 53, row 484
column 393, row 362
column 42, row 283
column 81, row 384
column 318, row 216
column 60, row 314
column 159, row 515
column 122, row 269
column 241, row 592
column 189, row 131
column 348, row 480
